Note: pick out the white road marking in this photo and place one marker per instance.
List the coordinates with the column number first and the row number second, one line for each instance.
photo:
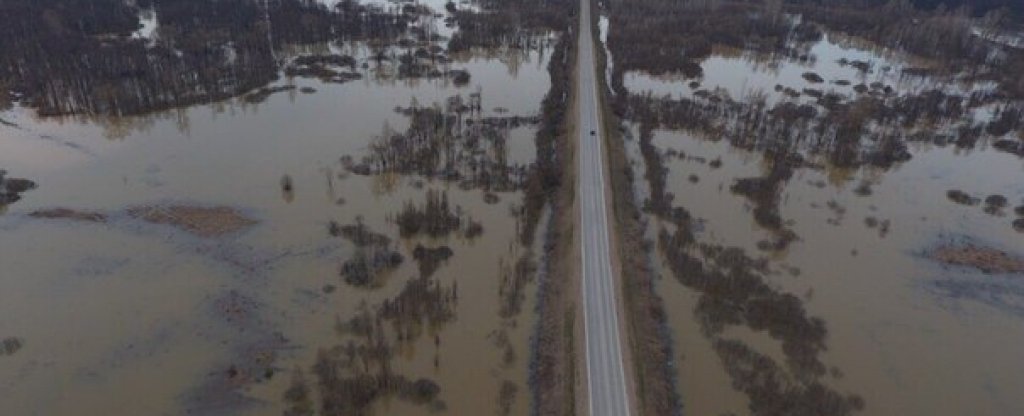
column 606, row 377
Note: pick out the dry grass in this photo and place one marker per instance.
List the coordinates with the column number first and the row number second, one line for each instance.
column 69, row 214
column 986, row 259
column 206, row 222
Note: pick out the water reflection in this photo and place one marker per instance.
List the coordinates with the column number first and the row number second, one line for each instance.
column 792, row 181
column 185, row 53
column 271, row 303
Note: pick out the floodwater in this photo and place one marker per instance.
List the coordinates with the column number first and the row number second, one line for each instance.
column 742, row 75
column 906, row 334
column 126, row 316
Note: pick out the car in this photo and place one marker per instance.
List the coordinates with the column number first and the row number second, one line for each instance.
column 593, row 132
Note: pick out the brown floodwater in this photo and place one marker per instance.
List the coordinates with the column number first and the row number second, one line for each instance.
column 743, row 76
column 909, row 335
column 129, row 317
column 905, row 333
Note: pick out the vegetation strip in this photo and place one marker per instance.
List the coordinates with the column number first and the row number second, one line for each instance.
column 645, row 315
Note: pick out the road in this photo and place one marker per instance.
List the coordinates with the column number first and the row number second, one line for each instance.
column 606, row 376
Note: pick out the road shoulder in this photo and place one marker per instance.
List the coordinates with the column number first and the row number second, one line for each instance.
column 648, row 355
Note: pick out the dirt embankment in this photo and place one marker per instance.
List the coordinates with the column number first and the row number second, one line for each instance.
column 645, row 315
column 553, row 372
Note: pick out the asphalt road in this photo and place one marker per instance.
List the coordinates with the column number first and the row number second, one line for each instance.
column 606, row 376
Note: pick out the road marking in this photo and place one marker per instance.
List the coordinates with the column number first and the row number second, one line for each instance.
column 606, row 375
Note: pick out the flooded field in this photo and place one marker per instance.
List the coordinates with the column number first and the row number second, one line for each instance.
column 349, row 238
column 861, row 265
column 354, row 207
column 834, row 65
column 805, row 269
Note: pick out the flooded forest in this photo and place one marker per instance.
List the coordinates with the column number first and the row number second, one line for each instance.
column 829, row 202
column 366, row 207
column 275, row 207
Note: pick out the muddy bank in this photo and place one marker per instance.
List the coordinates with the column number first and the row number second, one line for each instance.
column 201, row 221
column 985, row 259
column 69, row 214
column 208, row 222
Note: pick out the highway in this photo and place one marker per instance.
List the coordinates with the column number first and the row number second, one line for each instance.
column 606, row 376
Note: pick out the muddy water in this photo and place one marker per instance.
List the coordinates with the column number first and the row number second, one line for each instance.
column 742, row 75
column 128, row 317
column 906, row 334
